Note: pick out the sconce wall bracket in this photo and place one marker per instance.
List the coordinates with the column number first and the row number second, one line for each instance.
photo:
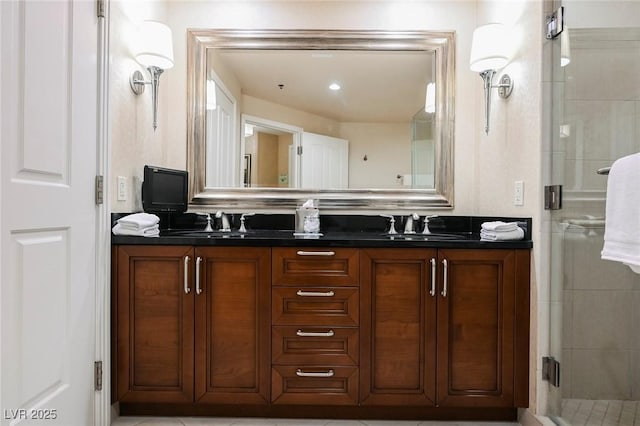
column 505, row 87
column 136, row 80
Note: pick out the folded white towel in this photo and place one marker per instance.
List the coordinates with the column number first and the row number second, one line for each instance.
column 150, row 231
column 138, row 221
column 622, row 219
column 516, row 234
column 499, row 226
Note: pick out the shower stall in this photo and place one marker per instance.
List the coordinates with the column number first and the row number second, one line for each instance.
column 594, row 304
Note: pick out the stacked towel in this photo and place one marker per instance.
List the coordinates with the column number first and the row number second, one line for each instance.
column 138, row 224
column 501, row 231
column 622, row 220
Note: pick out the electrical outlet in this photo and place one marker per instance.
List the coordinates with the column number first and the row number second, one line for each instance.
column 122, row 188
column 518, row 193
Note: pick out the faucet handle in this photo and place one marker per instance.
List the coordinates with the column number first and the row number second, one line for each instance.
column 392, row 223
column 242, row 228
column 426, row 230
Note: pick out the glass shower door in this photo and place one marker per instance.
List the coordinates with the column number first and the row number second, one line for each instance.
column 595, row 304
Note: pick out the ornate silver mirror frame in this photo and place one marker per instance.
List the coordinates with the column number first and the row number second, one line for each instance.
column 256, row 199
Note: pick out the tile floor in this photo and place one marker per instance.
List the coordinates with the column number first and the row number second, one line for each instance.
column 579, row 412
column 206, row 421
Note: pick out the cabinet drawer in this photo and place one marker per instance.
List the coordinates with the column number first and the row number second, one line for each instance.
column 316, row 385
column 314, row 345
column 315, row 266
column 315, row 306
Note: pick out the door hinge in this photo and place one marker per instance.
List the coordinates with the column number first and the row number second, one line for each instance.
column 555, row 23
column 551, row 370
column 553, row 197
column 100, row 8
column 98, row 375
column 99, row 189
column 299, row 150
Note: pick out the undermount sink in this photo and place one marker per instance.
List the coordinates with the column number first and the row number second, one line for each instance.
column 228, row 234
column 425, row 237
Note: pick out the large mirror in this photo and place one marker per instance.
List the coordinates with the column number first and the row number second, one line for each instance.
column 356, row 119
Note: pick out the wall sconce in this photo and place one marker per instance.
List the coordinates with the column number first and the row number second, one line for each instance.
column 490, row 52
column 430, row 98
column 155, row 52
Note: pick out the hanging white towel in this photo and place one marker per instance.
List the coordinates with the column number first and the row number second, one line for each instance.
column 516, row 234
column 138, row 221
column 499, row 226
column 150, row 231
column 622, row 219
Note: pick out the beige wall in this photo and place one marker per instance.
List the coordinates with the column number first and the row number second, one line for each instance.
column 385, row 145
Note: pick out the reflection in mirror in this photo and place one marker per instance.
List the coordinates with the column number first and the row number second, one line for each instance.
column 339, row 115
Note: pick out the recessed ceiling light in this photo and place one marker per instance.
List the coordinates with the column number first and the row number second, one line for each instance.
column 334, row 86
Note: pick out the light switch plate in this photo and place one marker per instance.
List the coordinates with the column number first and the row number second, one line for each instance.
column 122, row 188
column 518, row 193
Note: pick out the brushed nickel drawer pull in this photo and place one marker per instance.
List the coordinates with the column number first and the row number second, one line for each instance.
column 432, row 292
column 301, row 373
column 316, row 253
column 444, row 288
column 301, row 333
column 198, row 261
column 187, row 290
column 303, row 293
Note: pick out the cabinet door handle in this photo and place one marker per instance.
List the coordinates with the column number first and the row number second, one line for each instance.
column 444, row 288
column 301, row 333
column 198, row 261
column 301, row 373
column 432, row 292
column 316, row 253
column 303, row 293
column 187, row 290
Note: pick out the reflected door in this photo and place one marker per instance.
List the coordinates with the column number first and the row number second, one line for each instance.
column 324, row 162
column 222, row 150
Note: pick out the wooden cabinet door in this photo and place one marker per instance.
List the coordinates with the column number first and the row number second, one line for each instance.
column 398, row 327
column 476, row 328
column 233, row 325
column 154, row 324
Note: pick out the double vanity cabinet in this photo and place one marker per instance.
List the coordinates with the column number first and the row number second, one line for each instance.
column 351, row 331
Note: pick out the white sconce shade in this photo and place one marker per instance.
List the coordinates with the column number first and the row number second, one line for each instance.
column 565, row 48
column 489, row 48
column 490, row 51
column 155, row 47
column 211, row 95
column 430, row 98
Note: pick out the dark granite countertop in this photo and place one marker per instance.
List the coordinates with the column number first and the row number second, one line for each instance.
column 337, row 231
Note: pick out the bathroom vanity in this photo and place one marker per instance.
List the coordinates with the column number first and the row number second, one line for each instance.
column 348, row 325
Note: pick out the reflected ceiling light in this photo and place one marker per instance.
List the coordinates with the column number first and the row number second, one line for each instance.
column 211, row 95
column 430, row 98
column 565, row 48
column 334, row 86
column 490, row 52
column 155, row 52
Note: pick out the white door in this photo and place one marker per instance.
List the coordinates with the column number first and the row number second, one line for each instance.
column 48, row 105
column 223, row 148
column 324, row 162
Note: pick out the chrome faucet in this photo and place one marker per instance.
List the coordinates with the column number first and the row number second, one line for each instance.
column 242, row 228
column 392, row 224
column 409, row 225
column 225, row 227
column 426, row 230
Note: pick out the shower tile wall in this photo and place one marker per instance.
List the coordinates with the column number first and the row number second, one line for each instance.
column 601, row 299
